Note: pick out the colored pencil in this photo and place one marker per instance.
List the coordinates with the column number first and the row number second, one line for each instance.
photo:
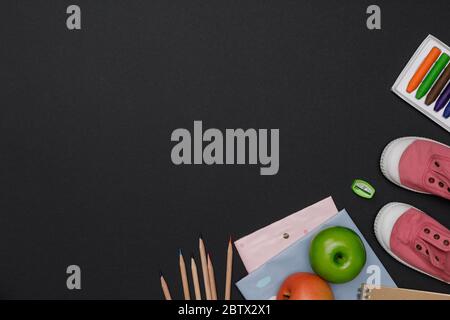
column 229, row 271
column 202, row 250
column 184, row 279
column 422, row 71
column 212, row 279
column 165, row 288
column 196, row 283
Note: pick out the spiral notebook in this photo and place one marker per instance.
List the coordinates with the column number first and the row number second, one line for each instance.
column 369, row 292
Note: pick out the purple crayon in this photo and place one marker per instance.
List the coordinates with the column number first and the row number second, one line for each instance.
column 443, row 99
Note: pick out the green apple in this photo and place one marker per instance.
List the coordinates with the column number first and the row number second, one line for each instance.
column 337, row 254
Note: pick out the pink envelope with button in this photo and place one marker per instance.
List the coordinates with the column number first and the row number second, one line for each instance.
column 260, row 246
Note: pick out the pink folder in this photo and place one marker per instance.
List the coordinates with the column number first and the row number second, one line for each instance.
column 257, row 248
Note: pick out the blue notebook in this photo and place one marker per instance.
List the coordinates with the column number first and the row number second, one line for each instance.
column 264, row 282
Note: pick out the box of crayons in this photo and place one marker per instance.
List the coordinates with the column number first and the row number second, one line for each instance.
column 424, row 82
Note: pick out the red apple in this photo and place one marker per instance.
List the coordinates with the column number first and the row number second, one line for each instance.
column 304, row 286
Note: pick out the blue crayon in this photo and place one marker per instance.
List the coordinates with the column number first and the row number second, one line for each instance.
column 447, row 111
column 443, row 99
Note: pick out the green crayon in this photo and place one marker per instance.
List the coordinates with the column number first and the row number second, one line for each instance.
column 432, row 76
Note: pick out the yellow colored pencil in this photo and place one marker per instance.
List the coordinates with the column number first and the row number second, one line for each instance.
column 165, row 288
column 202, row 250
column 184, row 279
column 229, row 271
column 196, row 283
column 212, row 279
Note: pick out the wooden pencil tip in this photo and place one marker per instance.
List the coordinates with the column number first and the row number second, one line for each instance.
column 180, row 253
column 201, row 236
column 230, row 239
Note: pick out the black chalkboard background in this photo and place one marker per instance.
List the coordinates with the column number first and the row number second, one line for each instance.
column 86, row 117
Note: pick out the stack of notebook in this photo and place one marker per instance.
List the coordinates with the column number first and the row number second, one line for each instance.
column 282, row 248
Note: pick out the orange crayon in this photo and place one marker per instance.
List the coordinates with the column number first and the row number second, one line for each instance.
column 421, row 72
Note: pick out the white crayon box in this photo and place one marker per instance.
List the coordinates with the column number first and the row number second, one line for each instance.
column 422, row 58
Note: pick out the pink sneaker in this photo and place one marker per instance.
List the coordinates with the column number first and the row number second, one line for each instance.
column 415, row 239
column 418, row 164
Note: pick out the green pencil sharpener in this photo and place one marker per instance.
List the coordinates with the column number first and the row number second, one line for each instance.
column 363, row 189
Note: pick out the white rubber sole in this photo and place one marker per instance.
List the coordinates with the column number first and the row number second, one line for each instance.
column 382, row 234
column 384, row 161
